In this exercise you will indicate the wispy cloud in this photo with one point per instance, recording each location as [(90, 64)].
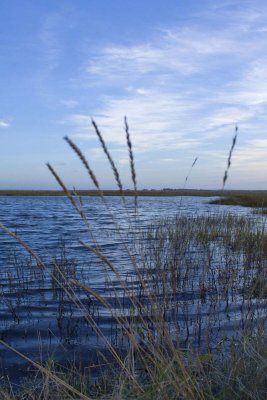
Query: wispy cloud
[(151, 128), (184, 89), (180, 77), (51, 48), (4, 124)]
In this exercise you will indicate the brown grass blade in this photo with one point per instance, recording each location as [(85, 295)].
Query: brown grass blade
[(61, 183), (189, 172), (131, 157), (79, 153), (48, 373), (38, 259), (229, 158), (106, 151)]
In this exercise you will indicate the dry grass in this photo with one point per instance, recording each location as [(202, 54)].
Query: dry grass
[(229, 159)]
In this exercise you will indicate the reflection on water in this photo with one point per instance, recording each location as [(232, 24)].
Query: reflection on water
[(38, 316)]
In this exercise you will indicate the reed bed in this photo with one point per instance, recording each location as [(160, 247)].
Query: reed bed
[(254, 199)]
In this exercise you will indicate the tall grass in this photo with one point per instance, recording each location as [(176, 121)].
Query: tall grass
[(229, 158), (186, 278)]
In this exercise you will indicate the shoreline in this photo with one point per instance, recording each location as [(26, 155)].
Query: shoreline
[(140, 193), (244, 198)]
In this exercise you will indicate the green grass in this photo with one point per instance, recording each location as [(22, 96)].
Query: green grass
[(252, 199)]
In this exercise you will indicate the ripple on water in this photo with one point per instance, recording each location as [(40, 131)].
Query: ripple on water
[(35, 310)]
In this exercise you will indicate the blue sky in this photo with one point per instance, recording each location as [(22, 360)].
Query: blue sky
[(184, 72)]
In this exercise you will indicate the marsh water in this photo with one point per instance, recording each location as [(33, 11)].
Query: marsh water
[(39, 318)]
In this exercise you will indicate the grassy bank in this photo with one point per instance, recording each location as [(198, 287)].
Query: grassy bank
[(249, 199), (240, 376)]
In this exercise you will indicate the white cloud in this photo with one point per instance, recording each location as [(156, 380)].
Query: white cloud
[(4, 124), (251, 89), (142, 60), (184, 90), (168, 160), (150, 128)]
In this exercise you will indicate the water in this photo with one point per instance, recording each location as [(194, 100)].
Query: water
[(37, 316), (43, 221)]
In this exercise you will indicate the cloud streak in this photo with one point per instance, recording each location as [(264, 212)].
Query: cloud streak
[(183, 89), (4, 124)]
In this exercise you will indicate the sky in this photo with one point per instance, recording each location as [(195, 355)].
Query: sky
[(184, 72)]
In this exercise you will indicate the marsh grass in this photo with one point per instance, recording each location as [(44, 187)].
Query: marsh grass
[(254, 199), (188, 313)]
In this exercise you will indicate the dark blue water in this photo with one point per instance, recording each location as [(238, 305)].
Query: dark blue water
[(37, 316), (43, 221)]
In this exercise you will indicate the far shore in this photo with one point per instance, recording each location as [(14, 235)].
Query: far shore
[(145, 192), (156, 193), (256, 198)]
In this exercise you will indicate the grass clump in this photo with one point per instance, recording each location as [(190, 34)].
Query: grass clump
[(254, 199)]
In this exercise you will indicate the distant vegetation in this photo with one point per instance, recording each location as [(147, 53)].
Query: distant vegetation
[(247, 199), (231, 197), (127, 192)]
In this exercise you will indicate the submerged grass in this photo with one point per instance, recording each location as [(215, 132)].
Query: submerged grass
[(189, 311)]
